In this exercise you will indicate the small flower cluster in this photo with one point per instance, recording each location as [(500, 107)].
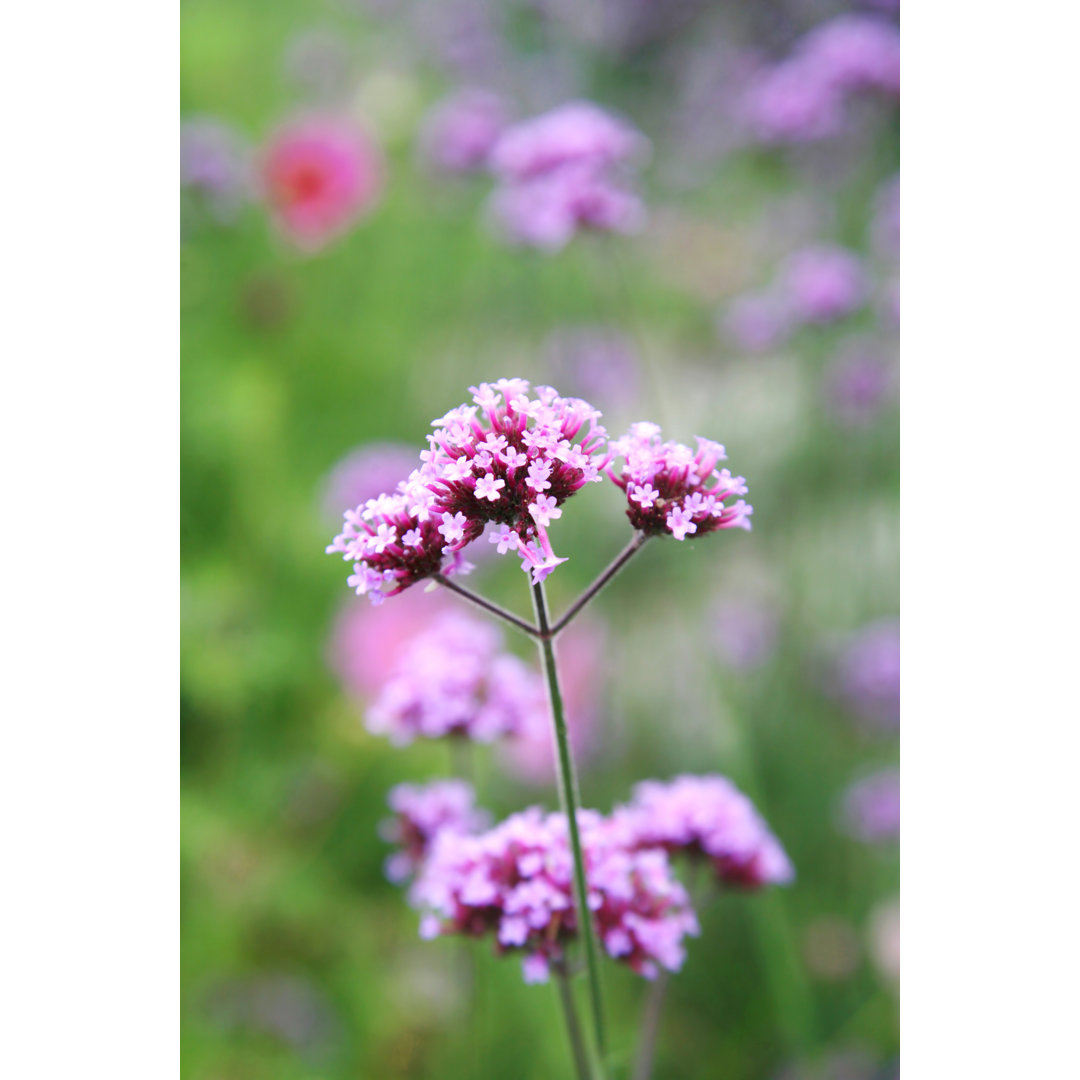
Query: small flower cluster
[(868, 673), (706, 817), (515, 882), (453, 680), (459, 133), (872, 807), (802, 99), (675, 490), (816, 285), (563, 171), (514, 464), (421, 811)]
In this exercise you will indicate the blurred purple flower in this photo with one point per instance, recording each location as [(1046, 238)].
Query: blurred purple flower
[(215, 165), (706, 817), (459, 133), (823, 283), (792, 103), (563, 171), (421, 811), (872, 807), (744, 631), (757, 322), (858, 383), (868, 673), (514, 884), (855, 52)]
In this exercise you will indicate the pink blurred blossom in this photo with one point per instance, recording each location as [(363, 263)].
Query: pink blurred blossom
[(320, 175), (459, 133)]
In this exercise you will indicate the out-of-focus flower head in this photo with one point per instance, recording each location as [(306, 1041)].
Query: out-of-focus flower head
[(757, 322), (745, 631), (855, 52), (791, 103), (515, 883), (512, 459), (823, 283), (320, 175), (706, 817), (868, 673), (872, 807), (366, 642), (215, 166), (675, 490), (420, 812), (459, 133), (530, 753), (563, 171), (454, 680), (365, 473), (858, 382)]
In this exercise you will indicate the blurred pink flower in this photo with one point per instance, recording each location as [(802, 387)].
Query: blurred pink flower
[(365, 473), (872, 807), (459, 133), (823, 283), (320, 175)]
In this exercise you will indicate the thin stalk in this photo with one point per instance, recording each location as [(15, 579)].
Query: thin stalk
[(570, 799), (573, 1027), (620, 560), (487, 605), (650, 1027)]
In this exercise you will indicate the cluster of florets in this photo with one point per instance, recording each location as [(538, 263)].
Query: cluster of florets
[(803, 98), (459, 133), (421, 811), (513, 460), (395, 541), (675, 490), (872, 807), (706, 817), (454, 680), (868, 673), (563, 171), (515, 882)]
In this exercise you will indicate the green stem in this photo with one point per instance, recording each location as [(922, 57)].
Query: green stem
[(568, 795), (573, 1027), (620, 560), (650, 1027), (487, 605)]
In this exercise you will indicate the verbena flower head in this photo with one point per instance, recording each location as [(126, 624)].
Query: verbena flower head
[(858, 382), (563, 171), (675, 490), (515, 884), (855, 52), (215, 166), (513, 459), (823, 283), (872, 807), (792, 103), (868, 673), (460, 132), (420, 812), (454, 680), (320, 174), (707, 817)]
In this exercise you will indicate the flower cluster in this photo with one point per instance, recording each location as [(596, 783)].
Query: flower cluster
[(320, 174), (673, 489), (706, 817), (563, 171), (872, 807), (515, 883), (802, 99), (420, 812), (460, 132), (453, 680), (868, 673), (513, 460)]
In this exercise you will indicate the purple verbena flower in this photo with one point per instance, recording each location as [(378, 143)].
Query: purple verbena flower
[(459, 133), (868, 673), (563, 171), (675, 490), (514, 883), (365, 473), (706, 817), (453, 679), (872, 807), (512, 459), (792, 103), (215, 165), (420, 812), (823, 283), (757, 322), (855, 52), (858, 382)]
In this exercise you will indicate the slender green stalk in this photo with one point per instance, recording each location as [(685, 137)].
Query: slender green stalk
[(568, 794), (573, 1027), (487, 605), (650, 1027), (620, 560)]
